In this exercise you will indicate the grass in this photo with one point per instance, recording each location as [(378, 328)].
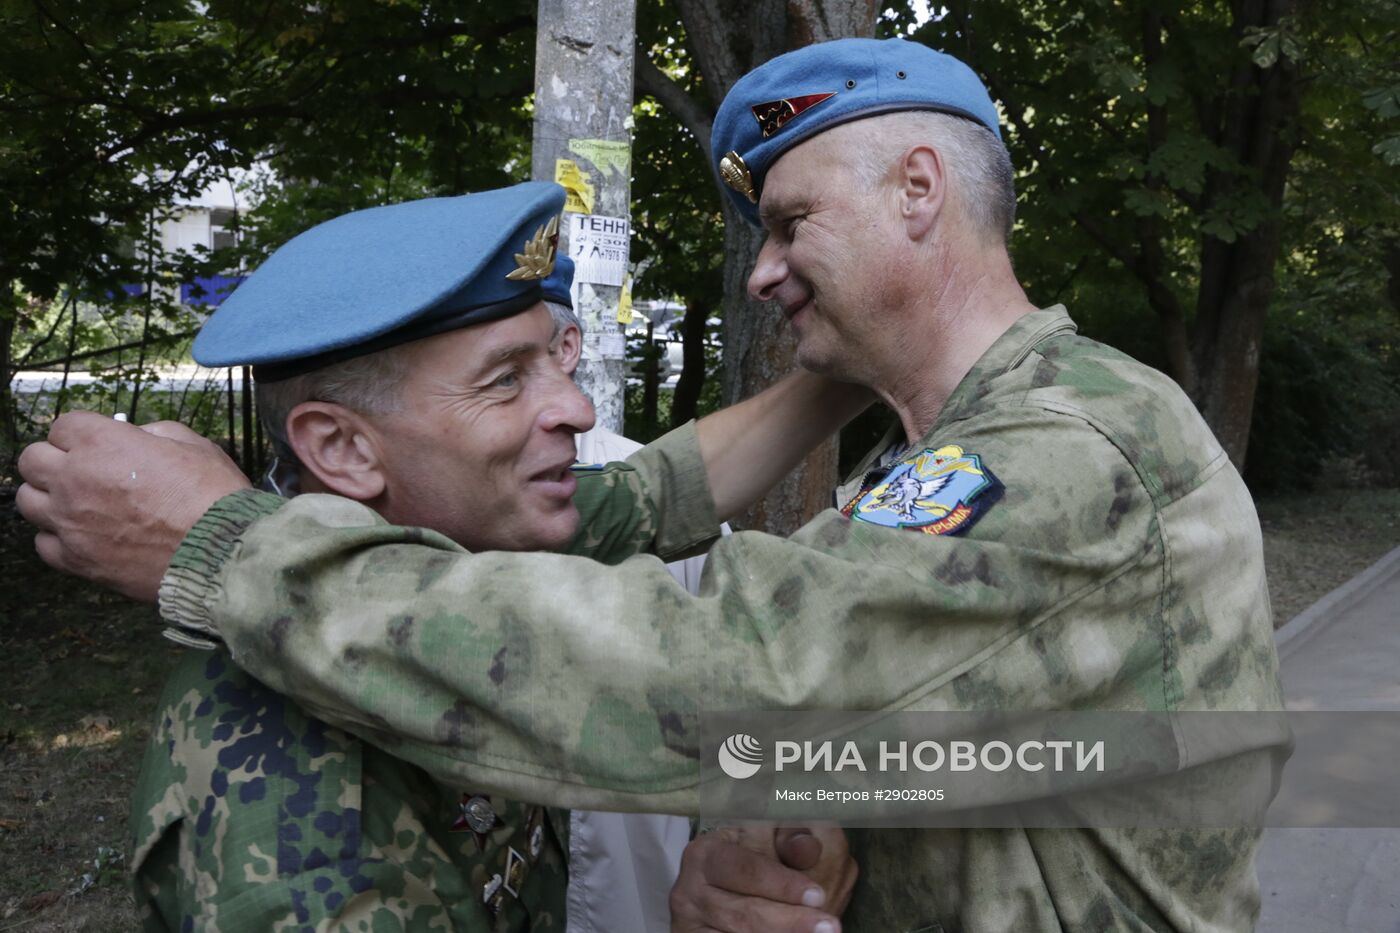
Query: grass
[(80, 670)]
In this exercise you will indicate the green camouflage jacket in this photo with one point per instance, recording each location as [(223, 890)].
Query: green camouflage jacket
[(249, 815), (1107, 556)]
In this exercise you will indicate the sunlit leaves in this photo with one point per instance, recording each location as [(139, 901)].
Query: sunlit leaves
[(1267, 45)]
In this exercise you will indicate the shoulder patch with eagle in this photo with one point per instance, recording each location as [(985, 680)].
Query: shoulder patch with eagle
[(938, 492)]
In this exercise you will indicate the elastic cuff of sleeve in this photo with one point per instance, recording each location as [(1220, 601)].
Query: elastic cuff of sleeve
[(187, 638), (674, 474), (191, 584)]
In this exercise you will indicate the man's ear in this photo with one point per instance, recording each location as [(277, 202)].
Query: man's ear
[(339, 447), (922, 186), (570, 348)]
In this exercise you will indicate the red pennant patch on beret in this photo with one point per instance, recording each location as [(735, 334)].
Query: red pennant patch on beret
[(773, 115)]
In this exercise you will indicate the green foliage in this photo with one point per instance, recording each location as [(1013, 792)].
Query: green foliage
[(109, 117), (112, 114), (1329, 391), (1113, 116)]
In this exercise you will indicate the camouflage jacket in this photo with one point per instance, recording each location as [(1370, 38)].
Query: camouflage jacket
[(1115, 563), (249, 815)]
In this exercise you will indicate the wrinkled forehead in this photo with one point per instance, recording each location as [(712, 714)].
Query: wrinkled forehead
[(472, 352), (804, 172)]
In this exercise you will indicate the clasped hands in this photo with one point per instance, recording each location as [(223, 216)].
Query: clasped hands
[(764, 879)]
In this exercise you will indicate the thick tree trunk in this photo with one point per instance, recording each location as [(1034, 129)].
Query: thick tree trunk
[(1237, 279), (729, 39)]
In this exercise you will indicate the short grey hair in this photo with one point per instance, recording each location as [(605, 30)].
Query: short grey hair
[(366, 384), (985, 186), (564, 316)]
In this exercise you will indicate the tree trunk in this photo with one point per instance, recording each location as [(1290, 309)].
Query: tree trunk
[(685, 400), (9, 415), (729, 39), (9, 430), (1259, 127), (1391, 260)]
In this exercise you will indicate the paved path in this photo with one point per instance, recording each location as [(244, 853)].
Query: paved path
[(1341, 654)]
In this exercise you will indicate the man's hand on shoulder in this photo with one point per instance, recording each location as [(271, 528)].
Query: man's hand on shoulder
[(752, 879), (112, 501)]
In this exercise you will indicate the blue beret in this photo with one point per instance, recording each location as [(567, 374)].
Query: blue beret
[(380, 277), (793, 97), (555, 286)]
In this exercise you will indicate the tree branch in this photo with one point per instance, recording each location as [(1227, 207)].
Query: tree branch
[(673, 97), (118, 348), (58, 319)]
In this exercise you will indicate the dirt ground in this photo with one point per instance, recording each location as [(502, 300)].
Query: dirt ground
[(1315, 543), (80, 670)]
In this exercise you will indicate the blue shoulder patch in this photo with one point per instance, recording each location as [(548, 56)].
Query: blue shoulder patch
[(587, 467), (938, 492)]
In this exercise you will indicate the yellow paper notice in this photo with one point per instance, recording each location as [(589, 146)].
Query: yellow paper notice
[(624, 302), (607, 155), (578, 189)]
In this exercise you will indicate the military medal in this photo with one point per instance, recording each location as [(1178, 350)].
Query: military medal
[(476, 818), (515, 871), (492, 894), (534, 832)]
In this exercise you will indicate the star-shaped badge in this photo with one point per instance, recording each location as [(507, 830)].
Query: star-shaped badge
[(476, 818)]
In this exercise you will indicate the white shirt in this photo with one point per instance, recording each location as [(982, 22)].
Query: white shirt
[(622, 865)]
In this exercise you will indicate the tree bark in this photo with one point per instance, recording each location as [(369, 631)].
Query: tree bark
[(9, 430), (1258, 127), (728, 39), (685, 400), (9, 421), (1390, 259)]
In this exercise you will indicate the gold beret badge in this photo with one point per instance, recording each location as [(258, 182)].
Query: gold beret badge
[(537, 261), (736, 175)]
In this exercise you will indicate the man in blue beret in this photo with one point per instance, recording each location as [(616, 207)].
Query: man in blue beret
[(1050, 526), (460, 419)]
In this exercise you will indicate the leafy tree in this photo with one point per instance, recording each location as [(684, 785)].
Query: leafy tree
[(1156, 144), (1208, 185), (111, 111)]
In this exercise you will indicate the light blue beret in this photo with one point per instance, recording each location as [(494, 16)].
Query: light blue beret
[(380, 277), (793, 97)]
